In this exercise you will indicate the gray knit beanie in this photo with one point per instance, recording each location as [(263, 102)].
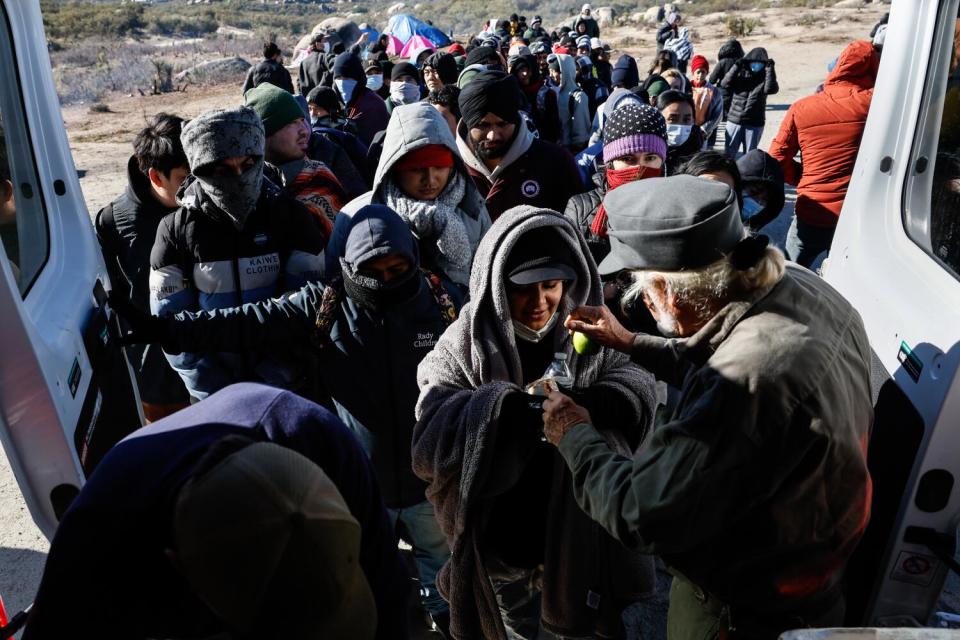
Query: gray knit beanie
[(219, 134)]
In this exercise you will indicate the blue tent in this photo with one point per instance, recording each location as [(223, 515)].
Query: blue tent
[(373, 34), (403, 27)]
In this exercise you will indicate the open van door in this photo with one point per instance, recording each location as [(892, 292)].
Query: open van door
[(66, 391), (896, 257)]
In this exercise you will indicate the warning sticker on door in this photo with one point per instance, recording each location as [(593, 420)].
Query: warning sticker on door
[(915, 568)]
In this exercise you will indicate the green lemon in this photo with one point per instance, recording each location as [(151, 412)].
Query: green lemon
[(583, 345)]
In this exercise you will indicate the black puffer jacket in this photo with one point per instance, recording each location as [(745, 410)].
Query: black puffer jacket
[(749, 90), (268, 71), (582, 209), (729, 53)]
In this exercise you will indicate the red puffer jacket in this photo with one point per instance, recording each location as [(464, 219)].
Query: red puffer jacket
[(826, 128)]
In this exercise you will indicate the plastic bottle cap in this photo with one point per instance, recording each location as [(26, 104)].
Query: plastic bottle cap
[(560, 356)]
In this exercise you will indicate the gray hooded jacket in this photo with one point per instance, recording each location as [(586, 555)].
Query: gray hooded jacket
[(412, 127), (469, 456), (574, 122)]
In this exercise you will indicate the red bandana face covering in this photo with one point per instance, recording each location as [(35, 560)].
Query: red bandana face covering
[(618, 178)]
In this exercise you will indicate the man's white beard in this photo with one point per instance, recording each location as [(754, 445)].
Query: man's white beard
[(667, 325)]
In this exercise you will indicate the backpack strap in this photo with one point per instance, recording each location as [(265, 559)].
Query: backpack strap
[(326, 313), (448, 311)]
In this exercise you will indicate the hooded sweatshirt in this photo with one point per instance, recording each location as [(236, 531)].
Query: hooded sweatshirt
[(412, 127), (625, 73), (366, 109), (749, 89), (389, 340), (573, 105), (826, 128), (531, 172), (473, 451), (759, 167), (730, 52), (126, 229)]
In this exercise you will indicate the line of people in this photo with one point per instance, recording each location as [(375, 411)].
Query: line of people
[(414, 260)]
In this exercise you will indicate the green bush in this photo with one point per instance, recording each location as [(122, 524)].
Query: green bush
[(75, 20), (738, 26)]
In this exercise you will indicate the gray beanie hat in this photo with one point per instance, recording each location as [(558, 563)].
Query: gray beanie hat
[(219, 134), (669, 224)]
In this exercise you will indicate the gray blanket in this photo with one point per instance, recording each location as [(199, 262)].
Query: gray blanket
[(462, 383)]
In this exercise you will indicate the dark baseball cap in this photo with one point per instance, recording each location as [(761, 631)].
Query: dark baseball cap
[(669, 224), (268, 542), (540, 255)]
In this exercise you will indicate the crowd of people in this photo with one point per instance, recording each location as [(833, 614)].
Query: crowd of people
[(347, 304)]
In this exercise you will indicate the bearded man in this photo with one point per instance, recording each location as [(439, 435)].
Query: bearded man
[(507, 163), (756, 491)]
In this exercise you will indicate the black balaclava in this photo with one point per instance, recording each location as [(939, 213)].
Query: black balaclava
[(377, 231)]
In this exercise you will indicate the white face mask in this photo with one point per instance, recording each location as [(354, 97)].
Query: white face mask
[(374, 82), (345, 86), (524, 332), (404, 92), (677, 134)]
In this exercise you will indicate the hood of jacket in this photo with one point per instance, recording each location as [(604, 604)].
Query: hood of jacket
[(417, 125), (625, 72), (138, 186), (731, 50), (617, 98), (488, 311), (758, 54), (521, 143), (760, 166), (377, 231), (857, 65), (568, 73)]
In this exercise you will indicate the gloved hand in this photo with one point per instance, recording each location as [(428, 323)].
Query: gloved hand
[(143, 327), (770, 63)]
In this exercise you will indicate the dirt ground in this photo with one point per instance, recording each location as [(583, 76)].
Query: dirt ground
[(801, 41)]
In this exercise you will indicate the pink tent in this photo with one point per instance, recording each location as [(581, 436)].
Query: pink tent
[(415, 45), (394, 45)]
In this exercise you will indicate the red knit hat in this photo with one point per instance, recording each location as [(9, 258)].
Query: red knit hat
[(431, 155), (456, 49), (699, 62)]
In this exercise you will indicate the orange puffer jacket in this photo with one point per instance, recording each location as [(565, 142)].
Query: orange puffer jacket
[(826, 128)]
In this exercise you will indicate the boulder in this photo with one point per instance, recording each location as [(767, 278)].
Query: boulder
[(212, 71), (348, 30), (604, 16), (850, 4), (396, 8), (650, 15)]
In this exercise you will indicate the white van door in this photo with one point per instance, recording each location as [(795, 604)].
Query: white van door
[(65, 388), (896, 257)]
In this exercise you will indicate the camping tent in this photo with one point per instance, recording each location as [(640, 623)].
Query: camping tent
[(405, 26), (394, 45), (415, 46)]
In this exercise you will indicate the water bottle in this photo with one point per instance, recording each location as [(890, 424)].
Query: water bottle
[(559, 372)]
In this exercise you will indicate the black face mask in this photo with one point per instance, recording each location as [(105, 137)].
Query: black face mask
[(379, 296)]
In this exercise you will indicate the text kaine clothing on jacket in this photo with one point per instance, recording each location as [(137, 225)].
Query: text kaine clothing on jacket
[(200, 261)]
